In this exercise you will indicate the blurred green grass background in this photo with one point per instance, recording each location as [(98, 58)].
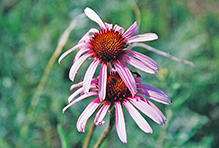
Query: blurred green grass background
[(29, 33)]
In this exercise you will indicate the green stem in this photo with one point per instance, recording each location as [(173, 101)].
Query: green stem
[(89, 136), (136, 11), (109, 128)]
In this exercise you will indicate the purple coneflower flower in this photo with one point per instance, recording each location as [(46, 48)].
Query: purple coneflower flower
[(108, 46), (117, 93)]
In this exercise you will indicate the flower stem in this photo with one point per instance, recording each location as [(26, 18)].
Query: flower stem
[(136, 11), (89, 136), (109, 128), (161, 53)]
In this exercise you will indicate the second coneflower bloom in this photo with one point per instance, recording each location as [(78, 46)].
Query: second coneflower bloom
[(117, 93), (108, 46)]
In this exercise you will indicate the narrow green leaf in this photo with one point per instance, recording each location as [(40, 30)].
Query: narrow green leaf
[(63, 137)]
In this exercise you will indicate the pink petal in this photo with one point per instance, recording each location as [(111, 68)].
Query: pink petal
[(157, 110), (131, 31), (87, 37), (108, 26), (118, 28), (102, 82), (130, 77), (152, 89), (70, 50), (92, 93), (80, 52), (120, 123), (155, 96), (138, 64), (81, 125), (77, 92), (126, 76), (94, 17), (98, 121), (148, 110), (77, 64), (142, 38), (89, 74), (94, 80), (89, 110), (137, 117), (76, 85), (143, 58)]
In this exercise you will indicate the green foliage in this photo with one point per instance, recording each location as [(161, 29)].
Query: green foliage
[(63, 137), (29, 33)]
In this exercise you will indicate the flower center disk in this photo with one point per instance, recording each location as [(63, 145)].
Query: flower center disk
[(108, 45), (116, 90)]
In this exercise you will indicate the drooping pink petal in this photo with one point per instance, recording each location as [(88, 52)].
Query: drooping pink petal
[(131, 31), (120, 123), (70, 50), (142, 38), (77, 92), (82, 125), (89, 75), (158, 111), (77, 64), (89, 110), (108, 26), (118, 28), (76, 85), (92, 93), (94, 17), (137, 117), (145, 59), (98, 121), (126, 76), (102, 81), (87, 36), (94, 80), (155, 96), (151, 88), (130, 76), (147, 110), (138, 64), (79, 53)]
